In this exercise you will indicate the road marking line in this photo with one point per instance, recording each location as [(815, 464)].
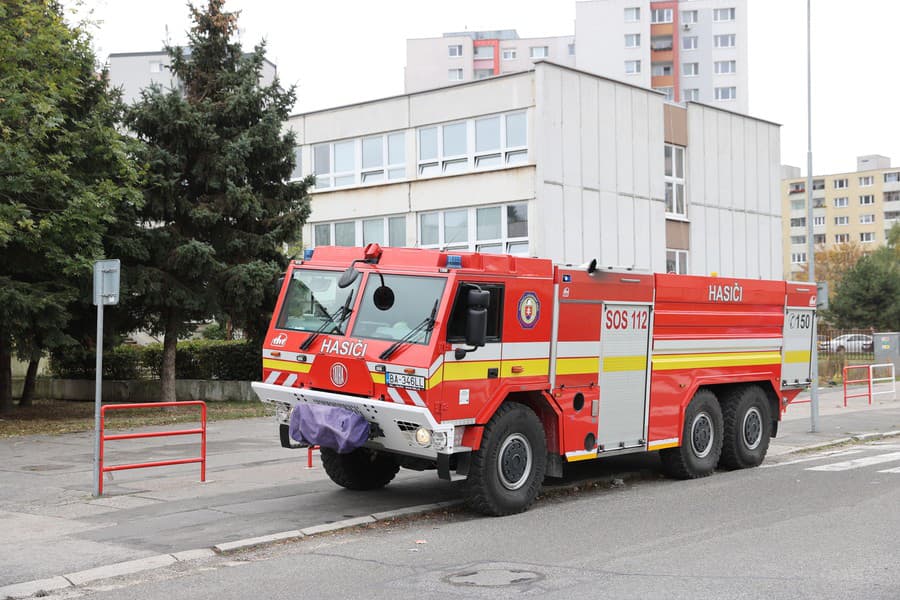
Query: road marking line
[(894, 470), (812, 458), (858, 462)]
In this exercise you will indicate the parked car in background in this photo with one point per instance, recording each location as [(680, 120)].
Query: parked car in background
[(849, 342)]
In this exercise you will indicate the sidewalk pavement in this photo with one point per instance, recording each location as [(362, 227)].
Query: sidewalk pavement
[(55, 534)]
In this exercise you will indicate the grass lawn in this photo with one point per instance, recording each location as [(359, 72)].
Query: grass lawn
[(60, 416)]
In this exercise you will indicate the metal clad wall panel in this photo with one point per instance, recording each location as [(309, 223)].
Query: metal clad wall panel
[(551, 219), (626, 231), (726, 250), (776, 259), (655, 154), (624, 140), (574, 224), (658, 236), (773, 169), (608, 231), (751, 164), (762, 162), (551, 151), (710, 156), (713, 243), (589, 134), (752, 254), (590, 202), (739, 163), (698, 263), (607, 157), (739, 243), (641, 144), (644, 244), (571, 128), (724, 158)]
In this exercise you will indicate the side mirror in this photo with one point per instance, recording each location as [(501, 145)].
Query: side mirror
[(383, 297), (476, 317), (348, 277)]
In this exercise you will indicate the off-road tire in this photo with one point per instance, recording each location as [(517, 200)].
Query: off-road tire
[(362, 469), (506, 473), (701, 439), (748, 427)]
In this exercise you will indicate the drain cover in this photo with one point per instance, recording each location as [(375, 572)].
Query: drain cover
[(493, 577)]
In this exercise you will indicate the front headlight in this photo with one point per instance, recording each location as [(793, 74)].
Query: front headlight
[(439, 439), (423, 437)]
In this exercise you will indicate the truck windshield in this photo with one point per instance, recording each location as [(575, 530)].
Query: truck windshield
[(414, 299), (313, 299)]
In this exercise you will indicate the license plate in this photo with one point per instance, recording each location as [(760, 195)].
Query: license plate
[(413, 382)]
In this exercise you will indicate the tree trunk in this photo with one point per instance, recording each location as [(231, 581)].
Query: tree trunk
[(6, 403), (229, 329), (167, 374), (30, 378)]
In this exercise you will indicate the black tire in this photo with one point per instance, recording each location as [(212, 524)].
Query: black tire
[(701, 439), (506, 473), (362, 469), (748, 427)]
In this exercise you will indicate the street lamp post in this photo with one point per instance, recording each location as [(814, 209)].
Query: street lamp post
[(811, 252)]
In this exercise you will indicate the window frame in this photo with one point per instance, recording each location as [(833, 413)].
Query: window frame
[(633, 63), (732, 67), (359, 230), (727, 92), (730, 14), (693, 71), (450, 52), (731, 38), (534, 55), (676, 257), (867, 199), (472, 243), (634, 10), (636, 37), (675, 182), (667, 15), (694, 42)]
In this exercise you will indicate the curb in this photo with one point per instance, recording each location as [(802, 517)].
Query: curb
[(862, 437)]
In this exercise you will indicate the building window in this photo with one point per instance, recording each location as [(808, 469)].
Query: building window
[(386, 231), (797, 188), (375, 169), (819, 238), (676, 205), (632, 40), (724, 41), (454, 50), (866, 219), (297, 172), (488, 229), (798, 204), (840, 184), (798, 222), (540, 51), (661, 43), (867, 199), (677, 261), (668, 91), (893, 177), (632, 67), (509, 54), (571, 49), (484, 53), (483, 73), (867, 237), (841, 238), (867, 180), (798, 239), (500, 140), (156, 66), (689, 42), (690, 95), (798, 258), (632, 14), (661, 69), (818, 184), (691, 69), (688, 17), (842, 220), (373, 159), (842, 202), (723, 14), (817, 221), (724, 67), (334, 164), (726, 93), (661, 15), (455, 74)]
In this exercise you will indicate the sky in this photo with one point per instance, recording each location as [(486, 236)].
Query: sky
[(345, 51)]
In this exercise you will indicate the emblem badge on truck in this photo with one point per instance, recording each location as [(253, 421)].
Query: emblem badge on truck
[(338, 374), (279, 340)]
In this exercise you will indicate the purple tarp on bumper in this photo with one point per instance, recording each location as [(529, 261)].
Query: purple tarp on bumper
[(328, 426)]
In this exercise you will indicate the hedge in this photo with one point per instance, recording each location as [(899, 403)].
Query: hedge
[(195, 359)]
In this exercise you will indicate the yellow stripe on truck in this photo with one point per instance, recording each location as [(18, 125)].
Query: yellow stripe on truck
[(797, 356), (284, 365), (671, 362), (577, 366), (624, 363)]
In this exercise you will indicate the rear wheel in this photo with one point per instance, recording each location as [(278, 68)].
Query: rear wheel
[(701, 439), (507, 471), (748, 428), (362, 469)]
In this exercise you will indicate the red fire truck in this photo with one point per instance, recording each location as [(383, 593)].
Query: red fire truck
[(499, 370)]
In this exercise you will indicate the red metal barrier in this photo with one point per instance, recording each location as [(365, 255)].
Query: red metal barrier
[(309, 452), (867, 381), (201, 431)]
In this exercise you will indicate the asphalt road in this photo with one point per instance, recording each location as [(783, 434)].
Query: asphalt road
[(817, 526)]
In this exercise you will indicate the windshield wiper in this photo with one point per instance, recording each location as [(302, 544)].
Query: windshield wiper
[(427, 324), (333, 321)]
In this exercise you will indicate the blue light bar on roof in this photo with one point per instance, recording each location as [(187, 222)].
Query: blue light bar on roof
[(454, 261), (308, 253)]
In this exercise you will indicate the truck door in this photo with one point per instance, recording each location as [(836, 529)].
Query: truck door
[(799, 325), (624, 349)]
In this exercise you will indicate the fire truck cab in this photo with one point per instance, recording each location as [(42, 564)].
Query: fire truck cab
[(499, 370)]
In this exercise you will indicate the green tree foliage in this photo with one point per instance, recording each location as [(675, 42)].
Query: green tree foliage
[(869, 293), (64, 171), (218, 206)]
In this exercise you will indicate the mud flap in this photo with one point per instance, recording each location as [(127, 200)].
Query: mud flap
[(462, 460)]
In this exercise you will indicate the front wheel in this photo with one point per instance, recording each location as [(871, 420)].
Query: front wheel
[(507, 471), (701, 439), (748, 427), (362, 469)]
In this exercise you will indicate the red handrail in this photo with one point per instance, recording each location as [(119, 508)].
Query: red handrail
[(201, 431), (867, 381)]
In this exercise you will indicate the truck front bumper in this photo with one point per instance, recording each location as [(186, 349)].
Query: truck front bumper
[(395, 424)]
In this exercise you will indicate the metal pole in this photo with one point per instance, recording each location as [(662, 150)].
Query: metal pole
[(811, 256), (98, 382)]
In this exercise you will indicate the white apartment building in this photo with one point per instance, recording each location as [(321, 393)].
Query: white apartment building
[(691, 50), (551, 162), (135, 71)]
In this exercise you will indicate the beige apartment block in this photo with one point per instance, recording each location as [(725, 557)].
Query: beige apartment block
[(859, 206)]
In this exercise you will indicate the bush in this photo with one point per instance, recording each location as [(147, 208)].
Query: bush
[(195, 359)]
